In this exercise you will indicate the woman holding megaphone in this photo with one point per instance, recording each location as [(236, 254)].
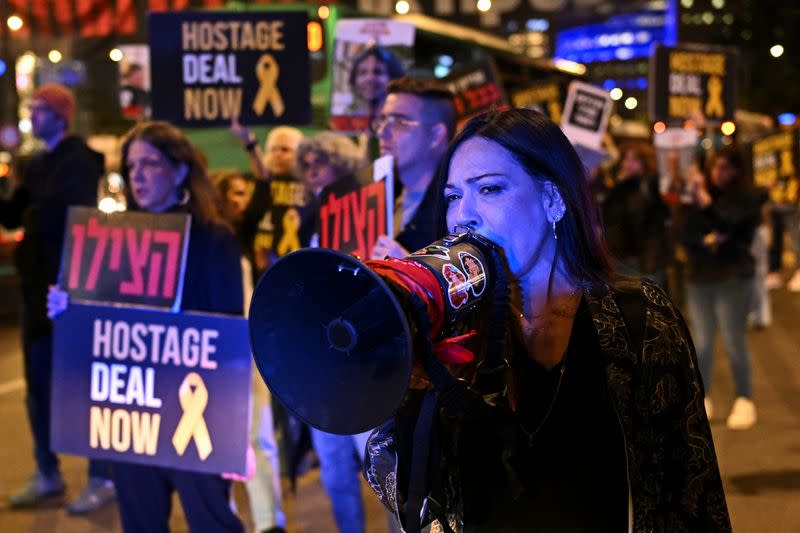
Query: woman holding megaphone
[(597, 421)]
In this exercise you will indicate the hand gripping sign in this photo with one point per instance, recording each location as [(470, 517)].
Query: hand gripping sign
[(151, 387)]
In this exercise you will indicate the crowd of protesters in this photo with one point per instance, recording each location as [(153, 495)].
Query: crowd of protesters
[(710, 247)]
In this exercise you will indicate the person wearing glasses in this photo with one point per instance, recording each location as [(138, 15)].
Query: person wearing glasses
[(414, 126)]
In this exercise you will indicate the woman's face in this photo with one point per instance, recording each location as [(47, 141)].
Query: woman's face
[(154, 180), (317, 171), (372, 77), (723, 173), (236, 197), (488, 190), (631, 165)]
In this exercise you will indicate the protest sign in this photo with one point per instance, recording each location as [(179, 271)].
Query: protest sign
[(368, 54), (209, 66), (151, 387), (774, 160), (586, 114), (476, 90), (352, 222), (546, 97), (692, 80), (675, 153), (134, 81), (129, 257)]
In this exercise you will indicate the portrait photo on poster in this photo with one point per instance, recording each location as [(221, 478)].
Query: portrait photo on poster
[(456, 285), (368, 54), (476, 273)]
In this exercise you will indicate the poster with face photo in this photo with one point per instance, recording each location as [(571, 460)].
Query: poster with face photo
[(134, 81), (369, 53)]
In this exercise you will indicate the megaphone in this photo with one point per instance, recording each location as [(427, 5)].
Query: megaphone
[(331, 336)]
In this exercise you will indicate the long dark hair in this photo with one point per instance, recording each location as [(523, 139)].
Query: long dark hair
[(541, 148), (205, 202)]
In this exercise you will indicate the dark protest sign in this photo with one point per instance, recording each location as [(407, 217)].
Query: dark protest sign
[(207, 67), (690, 80), (586, 114), (134, 258), (547, 97), (476, 90), (352, 222), (151, 387), (774, 160)]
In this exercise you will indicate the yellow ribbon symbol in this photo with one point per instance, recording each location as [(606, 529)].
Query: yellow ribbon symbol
[(554, 108), (787, 165), (290, 241), (714, 105), (267, 72), (191, 424)]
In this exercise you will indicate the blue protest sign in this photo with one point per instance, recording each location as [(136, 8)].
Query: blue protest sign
[(208, 66), (151, 387)]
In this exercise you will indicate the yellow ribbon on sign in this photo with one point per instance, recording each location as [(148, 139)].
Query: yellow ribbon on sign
[(714, 105), (290, 241), (267, 72), (192, 424), (787, 163)]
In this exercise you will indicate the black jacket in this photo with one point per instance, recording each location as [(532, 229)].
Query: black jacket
[(635, 221), (68, 175), (423, 228), (735, 214), (657, 394), (213, 278)]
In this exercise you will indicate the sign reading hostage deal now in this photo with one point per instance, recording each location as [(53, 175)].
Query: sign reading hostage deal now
[(774, 159), (132, 258), (151, 387), (208, 66), (690, 80)]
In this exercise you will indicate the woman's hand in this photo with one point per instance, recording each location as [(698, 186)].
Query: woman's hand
[(387, 247), (242, 132), (250, 467), (57, 301)]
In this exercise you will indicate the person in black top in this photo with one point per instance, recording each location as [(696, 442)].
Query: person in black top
[(582, 410), (415, 124), (279, 197), (635, 218), (65, 174), (717, 231)]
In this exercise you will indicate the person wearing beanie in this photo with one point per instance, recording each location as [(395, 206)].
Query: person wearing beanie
[(64, 174)]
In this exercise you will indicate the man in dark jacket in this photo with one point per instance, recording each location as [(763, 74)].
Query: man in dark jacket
[(65, 174), (415, 126)]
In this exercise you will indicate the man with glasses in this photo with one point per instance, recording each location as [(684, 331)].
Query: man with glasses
[(66, 173), (415, 125)]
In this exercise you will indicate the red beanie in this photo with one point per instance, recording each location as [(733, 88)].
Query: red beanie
[(58, 98)]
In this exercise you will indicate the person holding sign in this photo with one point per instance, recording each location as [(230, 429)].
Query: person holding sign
[(164, 174), (65, 174), (717, 231), (582, 407)]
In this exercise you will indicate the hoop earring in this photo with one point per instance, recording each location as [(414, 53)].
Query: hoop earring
[(185, 198)]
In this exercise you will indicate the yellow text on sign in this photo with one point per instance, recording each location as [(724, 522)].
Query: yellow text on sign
[(123, 430)]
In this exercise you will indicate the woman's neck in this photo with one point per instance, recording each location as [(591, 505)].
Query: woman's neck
[(545, 309)]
